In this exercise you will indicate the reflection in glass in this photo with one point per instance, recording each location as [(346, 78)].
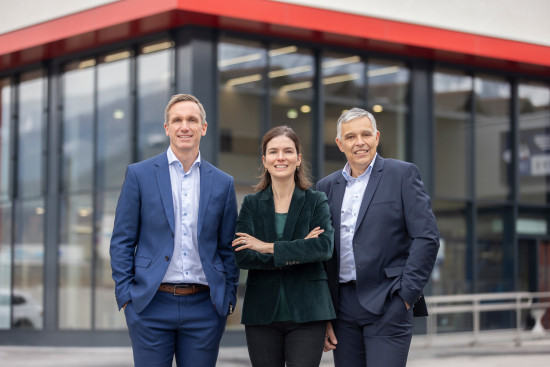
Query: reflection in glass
[(388, 90), (5, 264), (28, 265), (114, 145), (75, 259), (452, 270), (78, 126), (30, 134), (5, 204), (106, 313), (452, 98), (344, 87), (154, 89), (495, 256), (5, 129), (534, 140), (291, 73), (492, 138), (241, 65)]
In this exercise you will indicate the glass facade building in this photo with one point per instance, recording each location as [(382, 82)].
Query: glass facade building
[(70, 125)]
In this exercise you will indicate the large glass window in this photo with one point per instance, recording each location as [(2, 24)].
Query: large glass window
[(155, 77), (388, 84), (291, 72), (492, 138), (5, 204), (28, 236), (106, 314), (344, 77), (242, 67), (534, 140), (114, 132), (453, 145), (75, 230), (114, 153), (452, 272), (30, 135)]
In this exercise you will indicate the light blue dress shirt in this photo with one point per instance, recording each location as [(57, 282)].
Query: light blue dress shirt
[(185, 265), (353, 197)]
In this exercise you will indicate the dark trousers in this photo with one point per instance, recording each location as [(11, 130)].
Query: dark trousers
[(185, 326), (368, 340), (299, 344)]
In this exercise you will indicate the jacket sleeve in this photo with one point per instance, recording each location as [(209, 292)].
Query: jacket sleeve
[(300, 251), (422, 228), (224, 244), (250, 259), (125, 238)]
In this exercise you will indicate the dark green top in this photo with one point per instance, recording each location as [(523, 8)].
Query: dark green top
[(296, 265), (282, 313)]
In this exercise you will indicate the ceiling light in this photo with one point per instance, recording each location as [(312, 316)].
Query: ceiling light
[(292, 113), (342, 61), (282, 51), (289, 71), (383, 71), (305, 109), (239, 60), (377, 108), (243, 80)]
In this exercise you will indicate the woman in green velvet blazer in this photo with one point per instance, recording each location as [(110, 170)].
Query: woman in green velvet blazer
[(284, 234)]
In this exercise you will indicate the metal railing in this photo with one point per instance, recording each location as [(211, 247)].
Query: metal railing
[(537, 303)]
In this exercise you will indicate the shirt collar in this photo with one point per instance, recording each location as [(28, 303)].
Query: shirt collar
[(173, 159), (346, 172)]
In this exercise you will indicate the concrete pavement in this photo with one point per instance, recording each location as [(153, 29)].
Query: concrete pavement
[(531, 353)]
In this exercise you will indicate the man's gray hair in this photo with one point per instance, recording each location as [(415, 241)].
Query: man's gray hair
[(353, 114)]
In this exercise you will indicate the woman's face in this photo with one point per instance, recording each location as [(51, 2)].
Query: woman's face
[(281, 158)]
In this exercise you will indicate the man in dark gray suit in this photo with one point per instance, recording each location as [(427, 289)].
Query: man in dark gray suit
[(385, 244)]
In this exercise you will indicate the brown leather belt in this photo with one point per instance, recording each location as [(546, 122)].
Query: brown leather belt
[(183, 289)]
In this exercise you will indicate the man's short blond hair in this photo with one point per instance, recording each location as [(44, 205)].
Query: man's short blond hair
[(176, 98)]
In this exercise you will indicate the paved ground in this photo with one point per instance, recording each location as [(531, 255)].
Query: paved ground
[(531, 353)]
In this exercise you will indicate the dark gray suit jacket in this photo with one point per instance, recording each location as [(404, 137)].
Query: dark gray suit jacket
[(396, 238)]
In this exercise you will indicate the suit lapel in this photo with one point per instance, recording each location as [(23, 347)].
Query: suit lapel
[(374, 179), (162, 173), (267, 212), (294, 210), (206, 190), (339, 189)]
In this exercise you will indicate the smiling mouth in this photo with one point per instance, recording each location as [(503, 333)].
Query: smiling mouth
[(278, 166), (361, 152)]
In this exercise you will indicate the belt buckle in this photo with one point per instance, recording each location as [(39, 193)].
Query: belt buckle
[(176, 286)]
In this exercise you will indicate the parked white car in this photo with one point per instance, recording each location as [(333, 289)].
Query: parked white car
[(27, 313)]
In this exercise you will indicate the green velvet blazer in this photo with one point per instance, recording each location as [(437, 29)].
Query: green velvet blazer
[(296, 263)]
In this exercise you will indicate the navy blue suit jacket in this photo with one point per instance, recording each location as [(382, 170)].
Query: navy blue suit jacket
[(142, 242), (396, 238)]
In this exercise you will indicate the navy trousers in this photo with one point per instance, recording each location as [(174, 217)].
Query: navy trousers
[(369, 340), (185, 326)]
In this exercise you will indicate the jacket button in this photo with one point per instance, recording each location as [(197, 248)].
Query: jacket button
[(166, 258)]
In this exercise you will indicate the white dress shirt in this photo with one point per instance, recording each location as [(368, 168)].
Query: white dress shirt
[(185, 265), (353, 197)]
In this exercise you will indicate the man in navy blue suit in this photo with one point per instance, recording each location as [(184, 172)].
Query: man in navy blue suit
[(171, 256), (385, 244)]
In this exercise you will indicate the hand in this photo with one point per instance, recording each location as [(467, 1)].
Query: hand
[(315, 232), (406, 304), (126, 304), (246, 241), (330, 339)]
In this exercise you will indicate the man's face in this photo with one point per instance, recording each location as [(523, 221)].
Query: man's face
[(184, 127), (358, 142)]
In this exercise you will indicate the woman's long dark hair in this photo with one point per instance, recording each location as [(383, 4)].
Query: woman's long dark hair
[(301, 176)]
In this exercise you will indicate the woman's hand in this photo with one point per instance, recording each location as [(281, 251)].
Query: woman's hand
[(315, 232), (246, 241)]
